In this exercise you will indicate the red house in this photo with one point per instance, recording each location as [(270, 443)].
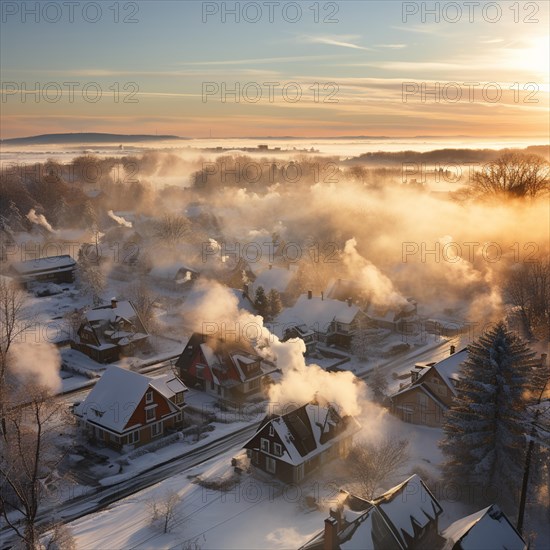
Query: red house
[(128, 408), (233, 371)]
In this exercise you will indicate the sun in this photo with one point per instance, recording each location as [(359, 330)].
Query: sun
[(536, 57)]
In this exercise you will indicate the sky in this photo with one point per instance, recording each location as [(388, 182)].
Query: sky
[(306, 68)]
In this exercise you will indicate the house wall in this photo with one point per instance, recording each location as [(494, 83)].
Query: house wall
[(139, 416), (438, 386), (103, 437), (417, 407)]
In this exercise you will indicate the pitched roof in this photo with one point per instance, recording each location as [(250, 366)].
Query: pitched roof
[(104, 321), (407, 505), (48, 264), (308, 430), (226, 359), (448, 368), (116, 395), (383, 522), (315, 313), (488, 528), (277, 278)]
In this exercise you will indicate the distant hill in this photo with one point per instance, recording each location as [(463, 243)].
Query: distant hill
[(87, 137), (453, 156)]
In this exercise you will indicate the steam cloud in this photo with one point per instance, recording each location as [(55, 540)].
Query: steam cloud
[(39, 219), (119, 219), (37, 363), (371, 278), (211, 305)]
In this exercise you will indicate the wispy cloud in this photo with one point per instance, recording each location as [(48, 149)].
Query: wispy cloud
[(251, 61), (391, 46), (343, 41)]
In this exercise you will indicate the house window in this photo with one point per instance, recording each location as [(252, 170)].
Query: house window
[(270, 464), (277, 449), (133, 437), (149, 397), (179, 398), (422, 400), (264, 445), (100, 434), (156, 429), (178, 417), (150, 414), (271, 431), (200, 371)]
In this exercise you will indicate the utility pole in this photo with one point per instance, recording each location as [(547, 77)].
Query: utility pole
[(527, 467)]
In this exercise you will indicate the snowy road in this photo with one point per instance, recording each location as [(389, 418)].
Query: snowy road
[(86, 504)]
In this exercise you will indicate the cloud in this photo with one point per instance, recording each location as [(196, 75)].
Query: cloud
[(340, 41)]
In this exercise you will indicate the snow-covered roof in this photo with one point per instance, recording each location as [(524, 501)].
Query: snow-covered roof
[(448, 368), (123, 310), (488, 528), (170, 271), (50, 263), (243, 301), (116, 395), (168, 384), (276, 278), (305, 432), (315, 313), (409, 503)]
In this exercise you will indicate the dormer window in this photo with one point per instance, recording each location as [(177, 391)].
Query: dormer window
[(149, 396)]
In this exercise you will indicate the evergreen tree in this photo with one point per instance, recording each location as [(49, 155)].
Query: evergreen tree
[(260, 302), (274, 303), (485, 427)]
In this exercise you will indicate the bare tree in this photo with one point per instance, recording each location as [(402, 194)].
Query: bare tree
[(373, 463), (378, 384), (144, 301), (528, 288), (59, 537), (12, 325), (512, 175), (163, 510), (91, 280), (28, 456), (172, 228)]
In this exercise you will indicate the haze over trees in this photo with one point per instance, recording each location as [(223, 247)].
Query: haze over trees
[(511, 176)]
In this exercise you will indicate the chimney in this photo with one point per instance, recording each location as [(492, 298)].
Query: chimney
[(453, 349), (331, 534), (309, 294), (350, 302), (113, 303)]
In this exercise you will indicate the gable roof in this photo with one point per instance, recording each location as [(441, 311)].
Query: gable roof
[(50, 264), (408, 508), (277, 278), (116, 395), (103, 321), (448, 368), (227, 360), (383, 522), (488, 528), (307, 431), (315, 313)]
